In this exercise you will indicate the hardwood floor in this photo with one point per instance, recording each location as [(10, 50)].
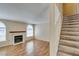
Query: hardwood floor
[(30, 48)]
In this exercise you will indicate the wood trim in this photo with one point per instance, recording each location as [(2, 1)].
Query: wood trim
[(16, 31)]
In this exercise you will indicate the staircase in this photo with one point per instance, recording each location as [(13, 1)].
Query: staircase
[(69, 38)]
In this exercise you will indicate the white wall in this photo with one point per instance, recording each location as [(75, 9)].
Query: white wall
[(55, 27), (42, 31)]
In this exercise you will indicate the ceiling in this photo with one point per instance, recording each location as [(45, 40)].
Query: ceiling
[(33, 13)]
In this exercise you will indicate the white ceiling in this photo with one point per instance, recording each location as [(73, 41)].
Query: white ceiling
[(33, 13)]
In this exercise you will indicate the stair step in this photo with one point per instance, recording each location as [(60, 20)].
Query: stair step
[(70, 23), (71, 18), (76, 15), (70, 29), (67, 37), (71, 50), (70, 33), (70, 26), (74, 44), (60, 53)]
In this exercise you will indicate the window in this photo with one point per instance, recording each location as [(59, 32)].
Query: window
[(29, 30), (2, 32)]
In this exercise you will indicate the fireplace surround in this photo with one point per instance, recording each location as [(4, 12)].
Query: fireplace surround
[(17, 37)]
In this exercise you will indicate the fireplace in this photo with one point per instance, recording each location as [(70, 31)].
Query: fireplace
[(18, 39)]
